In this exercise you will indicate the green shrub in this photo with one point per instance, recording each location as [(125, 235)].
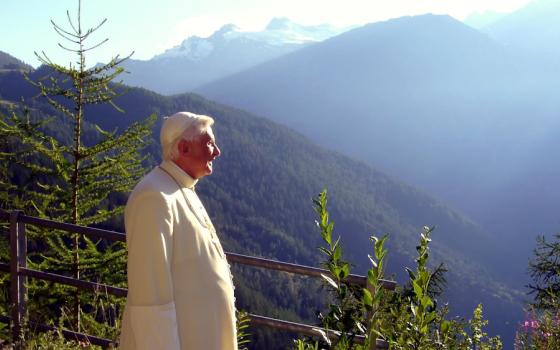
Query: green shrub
[(407, 318)]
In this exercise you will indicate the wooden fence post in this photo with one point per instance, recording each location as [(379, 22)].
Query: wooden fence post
[(18, 292)]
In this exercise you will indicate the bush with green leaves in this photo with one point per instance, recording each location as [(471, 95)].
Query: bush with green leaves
[(406, 318), (242, 325), (544, 269), (541, 328)]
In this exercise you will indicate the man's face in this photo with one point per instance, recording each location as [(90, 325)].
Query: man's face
[(197, 155)]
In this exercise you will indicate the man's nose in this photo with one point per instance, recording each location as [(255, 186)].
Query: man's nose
[(217, 151)]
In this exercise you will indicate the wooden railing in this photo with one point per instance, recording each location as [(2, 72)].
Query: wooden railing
[(19, 272)]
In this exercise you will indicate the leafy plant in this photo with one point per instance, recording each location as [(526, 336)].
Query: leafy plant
[(545, 271), (541, 328), (345, 316), (300, 344), (407, 318), (243, 335)]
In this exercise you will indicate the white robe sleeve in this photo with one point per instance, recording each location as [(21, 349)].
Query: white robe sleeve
[(149, 227)]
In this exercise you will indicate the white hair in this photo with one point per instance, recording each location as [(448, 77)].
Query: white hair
[(181, 126)]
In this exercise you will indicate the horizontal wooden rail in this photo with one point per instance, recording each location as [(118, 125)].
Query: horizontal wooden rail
[(294, 327), (298, 269), (232, 258), (80, 284), (90, 231), (305, 329)]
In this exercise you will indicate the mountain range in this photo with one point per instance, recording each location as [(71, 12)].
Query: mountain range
[(197, 61), (260, 199), (534, 28), (433, 102), (8, 62)]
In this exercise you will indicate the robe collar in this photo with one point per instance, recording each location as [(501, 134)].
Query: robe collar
[(184, 179)]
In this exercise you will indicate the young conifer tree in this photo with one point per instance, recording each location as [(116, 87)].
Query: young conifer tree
[(78, 181), (545, 271)]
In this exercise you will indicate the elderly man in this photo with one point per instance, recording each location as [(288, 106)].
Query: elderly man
[(180, 292)]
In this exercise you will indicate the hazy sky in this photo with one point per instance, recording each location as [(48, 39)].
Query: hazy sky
[(150, 27)]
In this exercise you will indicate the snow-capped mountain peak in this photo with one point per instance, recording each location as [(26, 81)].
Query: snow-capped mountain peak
[(279, 23), (194, 48), (282, 30), (225, 30), (279, 32)]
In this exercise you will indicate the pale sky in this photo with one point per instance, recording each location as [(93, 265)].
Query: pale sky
[(150, 27)]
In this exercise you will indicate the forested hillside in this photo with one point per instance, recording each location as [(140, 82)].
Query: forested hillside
[(260, 200)]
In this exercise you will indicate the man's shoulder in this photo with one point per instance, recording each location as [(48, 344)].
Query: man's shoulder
[(156, 183), (151, 199)]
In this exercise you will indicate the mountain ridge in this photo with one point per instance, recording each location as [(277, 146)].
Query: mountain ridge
[(278, 32), (427, 99), (197, 60), (533, 27), (9, 62)]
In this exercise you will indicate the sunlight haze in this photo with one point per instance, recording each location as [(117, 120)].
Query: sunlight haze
[(149, 28)]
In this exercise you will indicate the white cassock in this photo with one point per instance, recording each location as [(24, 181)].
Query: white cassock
[(180, 291)]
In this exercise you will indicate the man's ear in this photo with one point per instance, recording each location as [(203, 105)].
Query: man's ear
[(183, 147)]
